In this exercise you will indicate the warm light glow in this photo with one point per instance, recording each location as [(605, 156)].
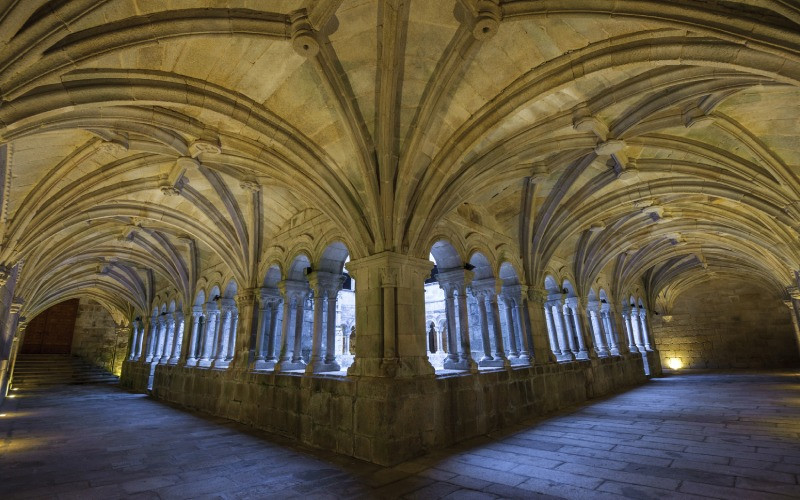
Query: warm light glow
[(675, 363), (12, 396), (15, 389), (2, 414)]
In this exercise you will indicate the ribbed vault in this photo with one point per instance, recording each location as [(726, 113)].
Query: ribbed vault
[(619, 144)]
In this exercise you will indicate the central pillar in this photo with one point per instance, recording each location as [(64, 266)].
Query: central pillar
[(390, 316)]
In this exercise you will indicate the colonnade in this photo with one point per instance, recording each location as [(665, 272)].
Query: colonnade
[(284, 342)]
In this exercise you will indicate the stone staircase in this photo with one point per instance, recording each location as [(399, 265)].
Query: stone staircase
[(40, 371)]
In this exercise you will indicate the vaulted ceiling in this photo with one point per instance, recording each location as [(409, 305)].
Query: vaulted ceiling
[(144, 141)]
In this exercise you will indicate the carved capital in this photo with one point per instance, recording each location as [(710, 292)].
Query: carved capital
[(388, 277)]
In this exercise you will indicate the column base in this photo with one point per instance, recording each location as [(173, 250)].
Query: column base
[(322, 367), (615, 351), (564, 357), (172, 361), (582, 355), (602, 354), (467, 364), (520, 361), (407, 367), (204, 363), (220, 364), (285, 366), (262, 364), (489, 363)]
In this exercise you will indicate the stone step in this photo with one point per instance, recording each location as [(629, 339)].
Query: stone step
[(40, 371)]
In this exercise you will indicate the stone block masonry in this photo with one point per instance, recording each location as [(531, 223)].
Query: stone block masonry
[(727, 324), (97, 338), (385, 420)]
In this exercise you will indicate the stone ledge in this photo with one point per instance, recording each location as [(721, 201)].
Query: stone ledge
[(384, 420)]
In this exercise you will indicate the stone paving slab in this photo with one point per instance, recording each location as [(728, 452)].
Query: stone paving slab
[(656, 441)]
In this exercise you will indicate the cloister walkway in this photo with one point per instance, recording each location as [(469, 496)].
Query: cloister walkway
[(723, 435)]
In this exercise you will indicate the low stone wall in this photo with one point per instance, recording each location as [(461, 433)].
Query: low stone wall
[(386, 421)]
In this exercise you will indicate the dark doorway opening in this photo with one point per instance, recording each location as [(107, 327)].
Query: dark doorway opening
[(51, 331)]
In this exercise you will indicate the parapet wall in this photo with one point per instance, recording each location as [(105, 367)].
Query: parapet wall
[(382, 420)]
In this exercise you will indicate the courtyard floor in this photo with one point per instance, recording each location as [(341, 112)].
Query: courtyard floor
[(720, 435)]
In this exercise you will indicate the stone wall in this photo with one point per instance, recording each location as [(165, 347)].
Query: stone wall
[(385, 420), (727, 324), (96, 339)]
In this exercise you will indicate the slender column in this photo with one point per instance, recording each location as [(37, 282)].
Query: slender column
[(574, 312), (300, 311), (273, 327), (626, 319), (197, 312), (296, 292), (494, 310), (320, 298), (169, 335), (330, 326), (210, 337), (566, 312), (463, 329), (637, 334), (160, 334), (645, 331), (563, 333), (221, 350), (523, 329), (508, 306), (551, 329), (264, 314), (177, 343), (599, 340), (610, 332), (134, 340), (449, 304), (487, 358), (289, 305), (232, 335)]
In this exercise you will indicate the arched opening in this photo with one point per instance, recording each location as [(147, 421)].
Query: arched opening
[(553, 314), (270, 320), (334, 309), (446, 296), (485, 321), (516, 321), (198, 329), (210, 331), (608, 323), (225, 342), (295, 345), (573, 322)]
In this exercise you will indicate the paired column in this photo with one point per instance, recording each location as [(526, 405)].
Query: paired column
[(195, 341), (609, 328), (269, 302), (626, 319), (454, 283), (210, 333), (167, 338), (295, 294), (648, 345), (152, 344), (226, 333), (326, 288), (597, 330), (572, 309)]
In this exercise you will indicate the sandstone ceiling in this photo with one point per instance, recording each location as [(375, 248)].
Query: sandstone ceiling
[(145, 141)]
